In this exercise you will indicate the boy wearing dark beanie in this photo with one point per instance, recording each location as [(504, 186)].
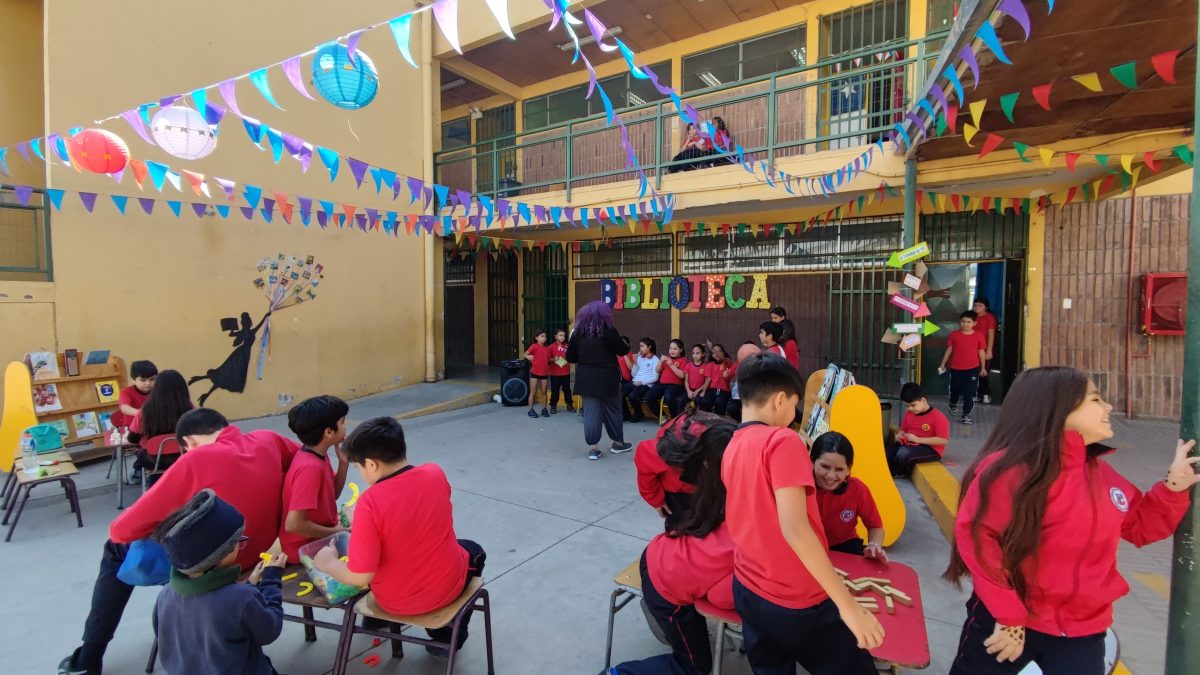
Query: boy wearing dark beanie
[(205, 621)]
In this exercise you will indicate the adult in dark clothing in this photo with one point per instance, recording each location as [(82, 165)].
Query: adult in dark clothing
[(594, 348)]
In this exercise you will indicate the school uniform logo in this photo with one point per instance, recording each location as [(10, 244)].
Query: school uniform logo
[(925, 427), (1119, 499), (847, 515)]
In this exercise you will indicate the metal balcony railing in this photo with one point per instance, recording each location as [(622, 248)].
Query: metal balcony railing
[(840, 102)]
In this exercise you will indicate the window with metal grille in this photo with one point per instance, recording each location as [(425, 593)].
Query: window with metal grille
[(746, 59), (626, 257), (819, 248), (24, 238), (460, 270), (975, 236), (571, 104), (456, 133), (865, 26)]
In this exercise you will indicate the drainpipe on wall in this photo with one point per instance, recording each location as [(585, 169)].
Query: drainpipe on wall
[(429, 241), (1130, 310)]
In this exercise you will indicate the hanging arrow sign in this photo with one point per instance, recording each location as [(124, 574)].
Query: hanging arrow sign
[(902, 258), (909, 342), (929, 328), (925, 328), (906, 304)]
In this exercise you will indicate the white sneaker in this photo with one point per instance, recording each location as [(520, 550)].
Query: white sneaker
[(987, 400)]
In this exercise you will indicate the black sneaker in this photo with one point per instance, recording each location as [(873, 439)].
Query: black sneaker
[(545, 413), (594, 454), (65, 668), (440, 653), (953, 408), (966, 419), (621, 448), (554, 410), (532, 414)]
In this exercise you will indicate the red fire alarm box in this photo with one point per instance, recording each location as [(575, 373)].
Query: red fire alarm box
[(1164, 303)]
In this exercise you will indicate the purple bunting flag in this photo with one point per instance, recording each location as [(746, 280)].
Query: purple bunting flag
[(88, 199), (229, 94), (199, 209), (445, 12), (147, 204), (291, 68), (358, 168), (135, 122), (247, 212), (352, 46)]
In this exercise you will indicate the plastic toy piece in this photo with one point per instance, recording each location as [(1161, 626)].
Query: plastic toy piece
[(305, 589), (371, 660), (289, 577), (265, 557), (353, 495)]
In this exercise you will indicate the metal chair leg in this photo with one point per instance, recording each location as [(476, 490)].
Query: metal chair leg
[(612, 617), (487, 629), (345, 638), (153, 656), (24, 497), (74, 497), (10, 483), (719, 649), (310, 632)]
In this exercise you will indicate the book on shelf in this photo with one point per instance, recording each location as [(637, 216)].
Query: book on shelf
[(85, 423), (71, 362), (105, 419), (45, 398), (97, 357), (43, 365), (61, 427), (108, 391)]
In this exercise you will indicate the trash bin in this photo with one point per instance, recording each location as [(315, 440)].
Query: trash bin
[(514, 382)]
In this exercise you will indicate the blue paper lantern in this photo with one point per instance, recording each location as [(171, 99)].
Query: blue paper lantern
[(342, 83)]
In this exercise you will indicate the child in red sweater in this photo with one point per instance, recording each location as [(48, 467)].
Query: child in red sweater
[(843, 499), (560, 373), (402, 542), (695, 380), (663, 478), (923, 436), (693, 561), (720, 371), (538, 355), (1038, 527)]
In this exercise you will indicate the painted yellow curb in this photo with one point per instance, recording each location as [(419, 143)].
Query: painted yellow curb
[(478, 398)]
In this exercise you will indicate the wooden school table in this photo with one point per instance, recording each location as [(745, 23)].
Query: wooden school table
[(905, 642)]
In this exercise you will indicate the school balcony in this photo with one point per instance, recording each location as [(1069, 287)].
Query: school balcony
[(802, 88)]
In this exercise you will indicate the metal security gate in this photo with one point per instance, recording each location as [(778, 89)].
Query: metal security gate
[(859, 314), (503, 342), (459, 306), (545, 292)]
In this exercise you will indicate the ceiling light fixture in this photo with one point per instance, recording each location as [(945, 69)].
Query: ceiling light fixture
[(453, 83), (708, 78), (588, 39)]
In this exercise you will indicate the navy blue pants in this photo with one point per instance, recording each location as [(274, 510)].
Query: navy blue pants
[(714, 401), (1054, 655), (683, 627), (672, 395), (777, 638), (902, 458), (964, 383)]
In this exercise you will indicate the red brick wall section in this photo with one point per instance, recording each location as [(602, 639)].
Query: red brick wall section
[(1087, 258)]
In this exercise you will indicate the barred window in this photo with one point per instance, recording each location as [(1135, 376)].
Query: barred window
[(975, 236), (460, 270), (819, 248), (626, 257)]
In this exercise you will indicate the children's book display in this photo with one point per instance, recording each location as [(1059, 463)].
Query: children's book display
[(819, 393), (80, 406)]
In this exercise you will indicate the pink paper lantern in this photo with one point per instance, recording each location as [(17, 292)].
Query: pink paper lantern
[(99, 151)]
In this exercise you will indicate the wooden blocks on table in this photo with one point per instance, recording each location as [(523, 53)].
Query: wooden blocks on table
[(878, 585)]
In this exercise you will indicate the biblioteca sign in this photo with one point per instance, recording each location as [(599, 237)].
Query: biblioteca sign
[(690, 293)]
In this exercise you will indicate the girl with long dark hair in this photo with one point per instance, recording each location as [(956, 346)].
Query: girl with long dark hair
[(694, 560), (168, 401), (791, 350), (1040, 518)]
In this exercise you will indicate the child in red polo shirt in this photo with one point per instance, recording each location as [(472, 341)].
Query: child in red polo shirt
[(660, 462), (311, 488), (560, 372), (966, 354), (720, 371), (693, 561), (844, 499), (133, 397), (538, 355), (923, 436), (402, 541), (696, 379), (791, 613)]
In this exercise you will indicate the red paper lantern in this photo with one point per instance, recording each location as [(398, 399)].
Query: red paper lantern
[(99, 151)]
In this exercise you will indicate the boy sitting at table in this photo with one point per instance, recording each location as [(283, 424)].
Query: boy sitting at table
[(311, 488), (402, 541)]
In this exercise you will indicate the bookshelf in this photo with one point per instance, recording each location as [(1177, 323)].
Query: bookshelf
[(79, 400)]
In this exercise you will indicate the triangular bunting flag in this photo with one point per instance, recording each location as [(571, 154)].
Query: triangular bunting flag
[(1184, 153), (1149, 161), (987, 33), (1089, 81), (1164, 65), (1127, 163), (446, 14), (976, 108), (402, 30), (1047, 155), (1102, 160), (259, 78), (1126, 74), (175, 206), (147, 204), (1041, 94), (1007, 103), (158, 173), (1021, 148), (1072, 158), (992, 142), (969, 133), (119, 201), (88, 199)]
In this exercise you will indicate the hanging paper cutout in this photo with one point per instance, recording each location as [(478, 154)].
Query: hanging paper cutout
[(88, 199), (147, 204), (992, 142), (135, 123), (446, 14), (119, 201), (1016, 10), (1007, 103), (976, 108), (291, 68), (1126, 74), (1041, 94), (402, 31), (229, 94), (1164, 65), (1089, 81), (259, 79), (987, 33), (158, 173)]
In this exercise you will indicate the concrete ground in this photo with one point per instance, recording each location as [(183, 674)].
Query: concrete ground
[(1145, 450), (556, 528)]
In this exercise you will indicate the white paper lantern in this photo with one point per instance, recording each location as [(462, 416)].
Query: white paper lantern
[(183, 133)]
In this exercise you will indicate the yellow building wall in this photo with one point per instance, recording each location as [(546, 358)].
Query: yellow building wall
[(21, 84), (156, 287)]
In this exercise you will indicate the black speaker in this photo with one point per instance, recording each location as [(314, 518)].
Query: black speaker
[(514, 382)]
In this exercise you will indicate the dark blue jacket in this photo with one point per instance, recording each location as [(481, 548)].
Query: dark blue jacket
[(221, 631)]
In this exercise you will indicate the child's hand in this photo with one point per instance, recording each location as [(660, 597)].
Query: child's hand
[(875, 552), (325, 558), (277, 560), (1181, 475), (1006, 642), (256, 573), (983, 372), (865, 627)]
